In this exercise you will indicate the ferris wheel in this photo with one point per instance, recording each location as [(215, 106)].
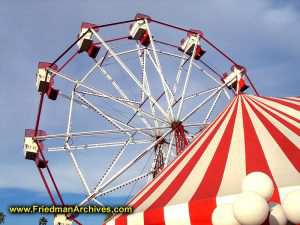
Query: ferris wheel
[(144, 92)]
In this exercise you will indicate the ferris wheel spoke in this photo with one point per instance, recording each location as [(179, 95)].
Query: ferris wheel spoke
[(187, 79), (69, 121), (111, 118), (113, 82), (91, 70), (142, 57), (151, 104), (108, 97), (121, 92), (166, 87), (195, 64), (124, 169), (125, 103), (93, 109), (97, 133), (169, 54), (119, 54), (67, 147), (126, 52), (121, 122), (124, 184), (129, 73), (178, 76), (159, 70), (211, 77), (201, 93), (104, 115), (196, 125), (203, 103), (86, 106), (113, 163), (74, 100), (212, 107), (89, 87), (97, 146), (87, 190), (169, 150)]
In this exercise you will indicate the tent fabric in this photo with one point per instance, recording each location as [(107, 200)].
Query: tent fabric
[(251, 134)]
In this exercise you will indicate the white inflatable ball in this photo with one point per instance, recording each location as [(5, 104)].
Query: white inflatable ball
[(249, 208), (260, 183), (223, 215), (276, 216), (291, 206)]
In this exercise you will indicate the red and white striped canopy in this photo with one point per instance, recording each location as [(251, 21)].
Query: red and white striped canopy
[(251, 134)]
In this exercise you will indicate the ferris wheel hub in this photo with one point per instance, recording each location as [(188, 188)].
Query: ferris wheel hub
[(162, 141), (175, 124)]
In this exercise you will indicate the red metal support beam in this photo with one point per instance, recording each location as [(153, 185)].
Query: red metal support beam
[(46, 185), (117, 23), (76, 221), (165, 43), (112, 40), (180, 139), (67, 62), (52, 179), (159, 161)]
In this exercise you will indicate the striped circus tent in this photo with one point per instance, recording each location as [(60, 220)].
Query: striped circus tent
[(251, 134)]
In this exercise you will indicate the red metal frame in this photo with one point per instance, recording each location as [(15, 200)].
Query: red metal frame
[(117, 23), (180, 139), (159, 163), (165, 43), (67, 62), (112, 40)]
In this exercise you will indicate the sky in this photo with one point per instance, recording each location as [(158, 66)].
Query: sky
[(262, 35)]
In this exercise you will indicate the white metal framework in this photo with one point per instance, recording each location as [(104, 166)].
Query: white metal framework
[(129, 102)]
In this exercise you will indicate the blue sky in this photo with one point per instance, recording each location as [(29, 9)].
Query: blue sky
[(262, 35)]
